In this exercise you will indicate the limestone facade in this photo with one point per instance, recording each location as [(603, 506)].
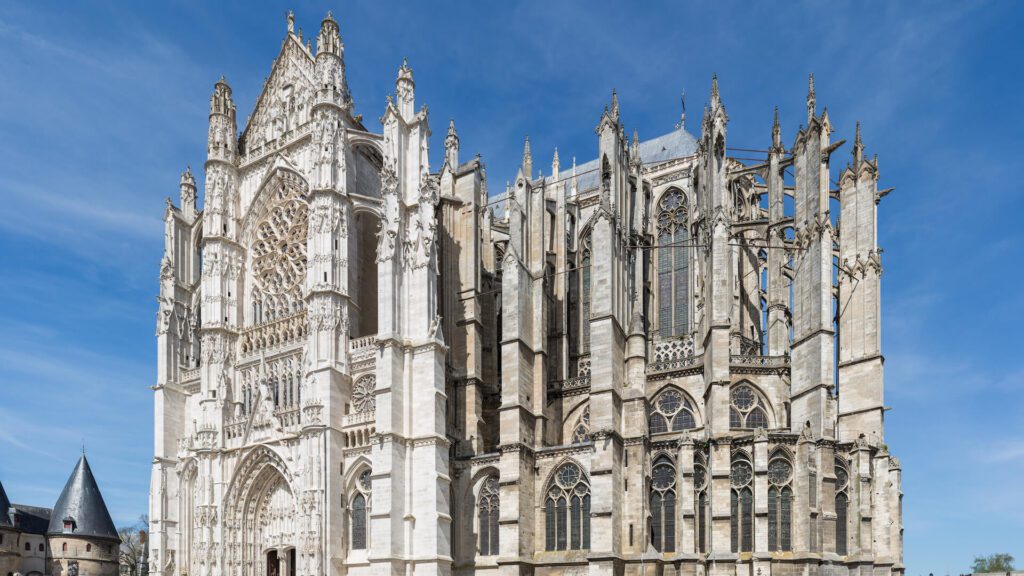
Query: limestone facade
[(662, 361)]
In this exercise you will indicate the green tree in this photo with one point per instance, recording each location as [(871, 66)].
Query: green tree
[(993, 563)]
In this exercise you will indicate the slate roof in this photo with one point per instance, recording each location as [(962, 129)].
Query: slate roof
[(31, 519), (82, 502), (5, 506), (675, 144)]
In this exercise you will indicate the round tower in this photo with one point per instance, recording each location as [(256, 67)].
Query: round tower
[(82, 538)]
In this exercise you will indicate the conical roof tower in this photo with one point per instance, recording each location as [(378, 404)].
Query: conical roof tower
[(80, 510)]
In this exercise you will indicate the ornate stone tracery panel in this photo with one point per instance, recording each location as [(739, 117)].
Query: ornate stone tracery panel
[(278, 251)]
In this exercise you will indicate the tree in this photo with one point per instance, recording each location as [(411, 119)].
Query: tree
[(993, 563), (133, 547)]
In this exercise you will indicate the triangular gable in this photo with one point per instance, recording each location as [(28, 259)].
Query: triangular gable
[(287, 97)]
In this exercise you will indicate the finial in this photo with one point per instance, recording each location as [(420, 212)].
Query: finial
[(615, 103), (300, 34), (291, 21), (811, 98), (451, 127), (715, 97), (526, 148), (858, 148), (776, 131), (555, 159)]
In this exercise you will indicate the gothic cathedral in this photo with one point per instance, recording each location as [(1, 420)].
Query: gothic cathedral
[(662, 361)]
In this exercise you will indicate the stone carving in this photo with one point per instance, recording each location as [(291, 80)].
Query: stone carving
[(387, 236)]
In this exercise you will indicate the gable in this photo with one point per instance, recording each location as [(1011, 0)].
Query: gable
[(287, 98)]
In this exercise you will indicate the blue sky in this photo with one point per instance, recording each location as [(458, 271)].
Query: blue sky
[(103, 104)]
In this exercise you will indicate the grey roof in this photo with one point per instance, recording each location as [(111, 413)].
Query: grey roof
[(31, 519), (676, 144), (5, 506), (82, 502)]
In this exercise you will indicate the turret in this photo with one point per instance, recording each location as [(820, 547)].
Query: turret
[(187, 193), (222, 140), (451, 146), (80, 522), (331, 82), (405, 90)]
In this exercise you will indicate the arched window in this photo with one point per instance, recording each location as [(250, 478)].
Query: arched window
[(663, 505), (363, 398), (568, 493), (28, 547), (780, 503), (88, 547), (671, 411), (487, 511), (746, 408), (360, 505), (42, 547), (64, 547), (742, 504), (586, 253), (581, 432), (700, 497), (673, 265), (842, 507)]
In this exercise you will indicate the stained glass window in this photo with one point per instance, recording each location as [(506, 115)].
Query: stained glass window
[(671, 411), (567, 510), (673, 265), (663, 511), (746, 408), (358, 511), (742, 505), (780, 495), (487, 512)]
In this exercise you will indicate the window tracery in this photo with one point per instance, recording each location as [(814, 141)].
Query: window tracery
[(663, 505), (359, 511), (488, 508), (780, 503), (746, 408), (671, 411), (567, 510), (363, 395), (842, 507), (581, 432), (700, 489), (279, 254), (673, 265), (741, 516)]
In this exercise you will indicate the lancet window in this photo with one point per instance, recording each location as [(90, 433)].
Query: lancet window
[(741, 476), (780, 503), (360, 511), (487, 513), (671, 411), (567, 510), (700, 497), (673, 265), (746, 408), (842, 507), (663, 505), (586, 253)]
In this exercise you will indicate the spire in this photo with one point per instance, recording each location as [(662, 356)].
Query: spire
[(716, 99), (858, 149), (555, 165), (615, 106), (527, 160), (5, 507), (776, 132), (405, 89), (811, 98), (80, 510), (682, 117)]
